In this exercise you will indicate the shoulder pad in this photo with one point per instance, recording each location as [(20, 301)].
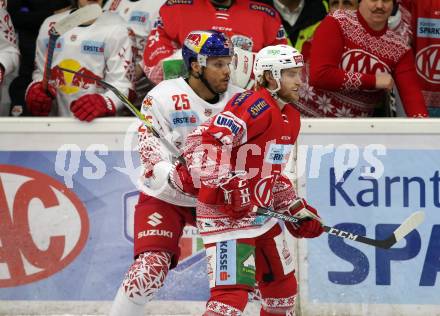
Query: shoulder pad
[(263, 8), (239, 98), (173, 2)]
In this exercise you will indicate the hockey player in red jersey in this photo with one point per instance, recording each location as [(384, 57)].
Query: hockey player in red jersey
[(250, 25), (238, 157), (351, 73), (176, 107), (426, 43)]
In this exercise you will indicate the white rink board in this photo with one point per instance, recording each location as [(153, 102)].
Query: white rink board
[(318, 296)]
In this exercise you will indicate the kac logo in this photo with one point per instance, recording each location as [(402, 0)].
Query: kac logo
[(43, 226), (428, 63), (358, 60)]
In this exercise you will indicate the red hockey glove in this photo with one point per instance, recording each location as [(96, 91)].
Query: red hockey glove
[(90, 106), (181, 179), (308, 228), (237, 196), (38, 100)]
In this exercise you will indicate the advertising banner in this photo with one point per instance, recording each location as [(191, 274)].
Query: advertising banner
[(368, 185), (66, 217)]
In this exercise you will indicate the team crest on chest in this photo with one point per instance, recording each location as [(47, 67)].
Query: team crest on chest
[(428, 63), (358, 60), (263, 191)]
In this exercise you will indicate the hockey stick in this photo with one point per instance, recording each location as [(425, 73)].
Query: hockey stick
[(414, 220), (78, 17), (173, 149)]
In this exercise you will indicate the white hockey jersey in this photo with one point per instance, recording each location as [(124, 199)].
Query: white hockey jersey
[(139, 16), (9, 57), (102, 49), (9, 53), (174, 110)]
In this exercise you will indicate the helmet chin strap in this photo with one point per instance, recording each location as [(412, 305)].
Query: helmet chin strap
[(274, 94), (202, 78)]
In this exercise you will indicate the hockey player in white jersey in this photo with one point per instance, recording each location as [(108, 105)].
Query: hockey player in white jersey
[(100, 49), (175, 107), (139, 16), (9, 54)]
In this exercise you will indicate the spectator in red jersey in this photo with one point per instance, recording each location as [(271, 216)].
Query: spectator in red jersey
[(333, 5), (351, 74), (250, 25), (426, 44)]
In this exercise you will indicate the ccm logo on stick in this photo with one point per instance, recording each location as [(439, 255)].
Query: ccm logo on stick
[(43, 226)]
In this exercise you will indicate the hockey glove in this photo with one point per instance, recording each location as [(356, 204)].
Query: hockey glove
[(38, 100), (310, 226), (182, 180), (90, 106), (237, 196)]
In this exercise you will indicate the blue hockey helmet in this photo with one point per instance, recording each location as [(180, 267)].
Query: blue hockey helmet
[(199, 45)]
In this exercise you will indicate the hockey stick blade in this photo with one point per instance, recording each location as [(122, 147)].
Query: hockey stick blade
[(414, 220), (85, 14), (76, 18), (404, 229), (132, 109)]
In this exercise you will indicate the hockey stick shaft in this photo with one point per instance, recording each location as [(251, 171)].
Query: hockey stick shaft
[(133, 109), (49, 57), (404, 229), (78, 17)]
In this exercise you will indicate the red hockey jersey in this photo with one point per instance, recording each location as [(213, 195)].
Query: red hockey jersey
[(343, 70), (250, 25), (251, 134), (426, 29)]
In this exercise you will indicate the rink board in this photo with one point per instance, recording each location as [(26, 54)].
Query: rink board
[(68, 191), (345, 277)]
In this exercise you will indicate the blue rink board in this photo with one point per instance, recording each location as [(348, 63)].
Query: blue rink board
[(98, 270), (350, 272)]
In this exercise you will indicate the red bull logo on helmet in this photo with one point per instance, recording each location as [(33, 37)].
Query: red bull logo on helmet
[(196, 40)]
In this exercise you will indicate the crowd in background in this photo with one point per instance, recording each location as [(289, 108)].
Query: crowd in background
[(356, 66)]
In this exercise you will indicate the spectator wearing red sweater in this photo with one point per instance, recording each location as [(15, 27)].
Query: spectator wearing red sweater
[(426, 44), (355, 60)]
